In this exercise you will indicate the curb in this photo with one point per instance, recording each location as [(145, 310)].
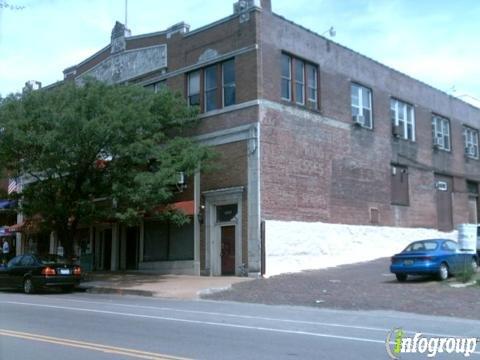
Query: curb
[(116, 291)]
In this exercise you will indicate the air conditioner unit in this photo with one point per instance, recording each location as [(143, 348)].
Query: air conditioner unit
[(469, 151), (397, 131), (358, 120), (437, 142)]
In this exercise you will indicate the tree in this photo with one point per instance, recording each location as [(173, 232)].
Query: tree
[(96, 152)]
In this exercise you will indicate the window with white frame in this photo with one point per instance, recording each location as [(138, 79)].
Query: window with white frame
[(312, 86), (470, 138), (194, 88), (299, 82), (361, 99), (403, 119), (441, 132), (211, 88), (228, 76), (286, 77)]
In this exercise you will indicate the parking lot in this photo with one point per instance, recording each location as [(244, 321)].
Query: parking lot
[(363, 286)]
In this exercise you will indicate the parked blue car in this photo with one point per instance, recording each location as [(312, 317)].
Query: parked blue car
[(439, 257)]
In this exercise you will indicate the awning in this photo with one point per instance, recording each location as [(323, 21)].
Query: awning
[(5, 231), (7, 204), (187, 207)]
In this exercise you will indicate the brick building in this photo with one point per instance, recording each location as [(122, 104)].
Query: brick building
[(306, 129)]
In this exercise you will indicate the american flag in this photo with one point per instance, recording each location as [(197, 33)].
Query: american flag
[(12, 186)]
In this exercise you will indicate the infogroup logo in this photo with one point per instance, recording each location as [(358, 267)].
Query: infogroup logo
[(398, 343)]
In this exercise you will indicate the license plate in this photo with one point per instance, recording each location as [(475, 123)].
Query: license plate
[(408, 262), (64, 272)]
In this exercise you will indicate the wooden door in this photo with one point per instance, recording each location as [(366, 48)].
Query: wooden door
[(228, 250), (444, 186)]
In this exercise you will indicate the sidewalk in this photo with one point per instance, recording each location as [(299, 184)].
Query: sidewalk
[(164, 286)]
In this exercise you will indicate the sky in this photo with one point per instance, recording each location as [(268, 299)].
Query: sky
[(435, 41)]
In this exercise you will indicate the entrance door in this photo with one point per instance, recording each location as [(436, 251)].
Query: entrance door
[(106, 241), (132, 248), (444, 202), (228, 250)]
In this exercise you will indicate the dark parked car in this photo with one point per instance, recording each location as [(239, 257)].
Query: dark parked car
[(34, 272), (439, 257)]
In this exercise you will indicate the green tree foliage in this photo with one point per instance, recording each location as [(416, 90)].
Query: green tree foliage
[(96, 153)]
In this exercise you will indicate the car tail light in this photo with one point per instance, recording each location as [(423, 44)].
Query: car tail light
[(77, 270), (48, 271)]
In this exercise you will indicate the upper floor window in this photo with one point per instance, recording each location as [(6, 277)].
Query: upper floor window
[(194, 88), (211, 88), (299, 81), (403, 119), (361, 105), (286, 77), (470, 138), (312, 86), (441, 132), (156, 87), (217, 89), (228, 74)]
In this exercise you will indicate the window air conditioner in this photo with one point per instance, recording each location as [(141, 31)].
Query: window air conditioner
[(437, 142), (469, 151), (397, 131), (358, 120)]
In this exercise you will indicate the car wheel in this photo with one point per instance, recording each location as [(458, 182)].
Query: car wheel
[(401, 277), (443, 272), (28, 287)]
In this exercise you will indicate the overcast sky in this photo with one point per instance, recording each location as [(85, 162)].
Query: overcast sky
[(436, 41)]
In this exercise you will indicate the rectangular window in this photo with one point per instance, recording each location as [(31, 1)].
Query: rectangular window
[(312, 86), (211, 88), (299, 82), (361, 101), (165, 241), (441, 133), (228, 75), (470, 139), (286, 77), (403, 119), (194, 88), (399, 185)]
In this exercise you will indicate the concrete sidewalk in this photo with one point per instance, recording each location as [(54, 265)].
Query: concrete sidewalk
[(148, 284)]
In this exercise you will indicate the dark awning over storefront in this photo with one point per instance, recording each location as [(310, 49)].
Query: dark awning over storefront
[(7, 204)]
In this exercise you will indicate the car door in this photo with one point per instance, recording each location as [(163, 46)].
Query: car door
[(12, 272), (450, 254)]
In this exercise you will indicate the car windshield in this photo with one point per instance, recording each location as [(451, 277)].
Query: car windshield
[(51, 259), (426, 245)]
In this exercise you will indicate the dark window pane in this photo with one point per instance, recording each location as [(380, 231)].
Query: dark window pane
[(299, 75), (210, 100), (229, 96), (228, 72), (286, 89), (226, 213), (286, 66), (299, 93), (194, 100), (211, 77)]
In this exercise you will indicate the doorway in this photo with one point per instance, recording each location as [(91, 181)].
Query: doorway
[(443, 186), (131, 250), (227, 252)]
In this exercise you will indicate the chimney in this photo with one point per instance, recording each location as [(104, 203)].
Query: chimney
[(179, 28), (266, 5), (119, 33)]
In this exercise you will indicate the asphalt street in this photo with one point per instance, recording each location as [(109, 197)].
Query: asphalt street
[(81, 325)]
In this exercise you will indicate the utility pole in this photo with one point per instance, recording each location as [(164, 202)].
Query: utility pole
[(126, 13)]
